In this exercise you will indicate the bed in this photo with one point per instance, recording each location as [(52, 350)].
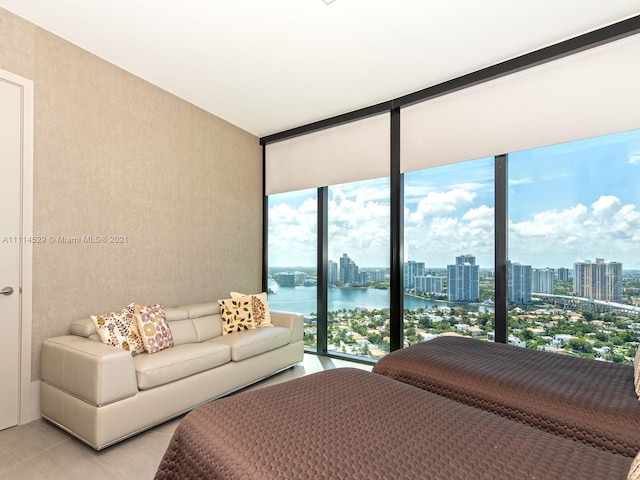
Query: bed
[(352, 424), (590, 401)]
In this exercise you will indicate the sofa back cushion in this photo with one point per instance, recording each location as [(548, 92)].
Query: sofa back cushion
[(206, 320), (208, 327), (188, 324), (183, 332)]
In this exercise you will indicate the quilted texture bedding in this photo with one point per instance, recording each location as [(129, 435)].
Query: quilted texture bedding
[(352, 424), (589, 401)]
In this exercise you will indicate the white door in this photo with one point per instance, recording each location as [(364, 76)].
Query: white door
[(11, 126)]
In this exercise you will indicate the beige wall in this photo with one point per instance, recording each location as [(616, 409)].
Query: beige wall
[(115, 155)]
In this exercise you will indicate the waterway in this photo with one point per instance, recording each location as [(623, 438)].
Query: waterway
[(303, 299)]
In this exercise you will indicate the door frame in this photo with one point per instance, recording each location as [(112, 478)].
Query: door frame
[(28, 401)]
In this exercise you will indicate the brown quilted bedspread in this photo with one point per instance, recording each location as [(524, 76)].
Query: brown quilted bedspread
[(586, 400), (351, 424)]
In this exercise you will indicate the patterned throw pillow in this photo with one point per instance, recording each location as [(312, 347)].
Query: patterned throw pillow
[(153, 327), (259, 307), (119, 329), (237, 314)]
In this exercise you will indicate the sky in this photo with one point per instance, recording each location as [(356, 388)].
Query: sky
[(566, 203)]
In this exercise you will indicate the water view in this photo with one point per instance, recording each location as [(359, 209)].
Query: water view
[(303, 299)]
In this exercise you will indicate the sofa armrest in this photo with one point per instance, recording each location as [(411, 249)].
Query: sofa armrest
[(290, 320), (94, 372)]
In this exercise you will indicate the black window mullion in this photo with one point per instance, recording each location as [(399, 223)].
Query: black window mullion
[(397, 236), (501, 304), (265, 224), (323, 270)]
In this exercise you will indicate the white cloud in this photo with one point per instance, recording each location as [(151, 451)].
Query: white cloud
[(606, 205), (441, 203), (481, 217), (520, 181), (606, 230), (634, 158)]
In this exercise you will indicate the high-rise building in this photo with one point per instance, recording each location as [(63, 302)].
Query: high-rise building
[(376, 275), (600, 280), (467, 259), (290, 279), (519, 279), (348, 270), (363, 278), (543, 280), (463, 280), (564, 274), (332, 272), (428, 284), (412, 269)]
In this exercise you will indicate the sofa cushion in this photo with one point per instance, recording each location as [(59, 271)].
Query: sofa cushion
[(250, 343), (208, 327), (154, 328), (197, 310), (183, 332), (175, 313), (178, 362)]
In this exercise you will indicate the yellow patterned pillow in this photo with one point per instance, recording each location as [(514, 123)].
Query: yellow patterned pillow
[(154, 328), (237, 314), (259, 307), (119, 329)]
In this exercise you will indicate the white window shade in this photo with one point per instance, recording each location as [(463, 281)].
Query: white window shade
[(351, 152), (591, 93)]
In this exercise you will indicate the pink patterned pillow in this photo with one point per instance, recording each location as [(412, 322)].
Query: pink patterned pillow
[(153, 327)]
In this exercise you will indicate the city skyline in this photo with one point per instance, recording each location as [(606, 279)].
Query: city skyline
[(567, 203)]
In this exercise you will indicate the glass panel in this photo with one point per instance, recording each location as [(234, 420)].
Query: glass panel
[(449, 251), (292, 257), (574, 227), (358, 291)]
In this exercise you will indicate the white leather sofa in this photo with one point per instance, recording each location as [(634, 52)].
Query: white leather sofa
[(101, 394)]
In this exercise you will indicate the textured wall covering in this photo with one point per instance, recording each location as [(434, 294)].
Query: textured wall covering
[(116, 156)]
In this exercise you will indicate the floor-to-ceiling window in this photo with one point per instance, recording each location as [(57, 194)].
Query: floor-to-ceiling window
[(358, 245), (292, 282), (574, 263), (449, 251), (443, 230)]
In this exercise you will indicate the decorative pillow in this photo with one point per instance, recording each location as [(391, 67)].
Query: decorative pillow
[(634, 471), (636, 371), (119, 329), (153, 327), (259, 307), (237, 314)]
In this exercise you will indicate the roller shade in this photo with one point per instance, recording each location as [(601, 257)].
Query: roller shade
[(591, 93), (347, 153)]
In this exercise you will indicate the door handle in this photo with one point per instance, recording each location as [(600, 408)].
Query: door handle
[(6, 291)]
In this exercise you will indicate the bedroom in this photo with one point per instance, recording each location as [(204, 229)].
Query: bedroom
[(93, 119)]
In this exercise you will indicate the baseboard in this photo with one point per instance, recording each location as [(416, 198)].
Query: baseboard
[(30, 410)]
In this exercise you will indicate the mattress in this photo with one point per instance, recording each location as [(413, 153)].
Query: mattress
[(586, 400), (352, 424)]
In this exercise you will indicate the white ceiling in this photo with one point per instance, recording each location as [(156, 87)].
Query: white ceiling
[(271, 65)]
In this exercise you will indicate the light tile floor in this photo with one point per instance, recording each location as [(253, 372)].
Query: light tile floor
[(39, 450)]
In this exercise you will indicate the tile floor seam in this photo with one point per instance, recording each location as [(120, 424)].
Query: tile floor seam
[(35, 455)]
